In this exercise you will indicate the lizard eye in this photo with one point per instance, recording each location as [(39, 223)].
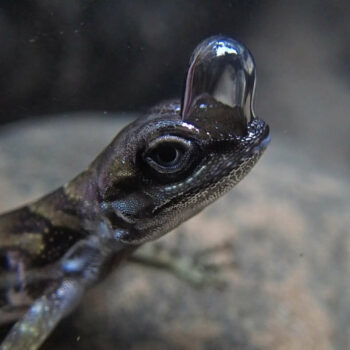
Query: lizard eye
[(169, 154)]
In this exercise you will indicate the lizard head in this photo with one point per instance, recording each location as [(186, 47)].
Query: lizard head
[(166, 167)]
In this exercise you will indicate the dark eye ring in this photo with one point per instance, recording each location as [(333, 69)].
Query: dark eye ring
[(168, 154)]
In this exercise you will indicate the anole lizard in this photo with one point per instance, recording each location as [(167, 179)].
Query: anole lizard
[(158, 171)]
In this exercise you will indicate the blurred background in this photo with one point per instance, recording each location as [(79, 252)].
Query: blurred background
[(72, 71), (109, 55)]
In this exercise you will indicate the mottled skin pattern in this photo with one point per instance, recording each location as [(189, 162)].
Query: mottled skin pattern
[(158, 172)]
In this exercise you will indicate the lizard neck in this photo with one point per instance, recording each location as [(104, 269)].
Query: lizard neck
[(82, 192), (48, 227)]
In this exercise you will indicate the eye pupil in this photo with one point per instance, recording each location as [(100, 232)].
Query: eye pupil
[(167, 154)]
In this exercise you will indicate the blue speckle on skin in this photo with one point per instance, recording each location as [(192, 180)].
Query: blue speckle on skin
[(73, 265)]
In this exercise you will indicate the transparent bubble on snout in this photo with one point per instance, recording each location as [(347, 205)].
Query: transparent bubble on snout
[(222, 69)]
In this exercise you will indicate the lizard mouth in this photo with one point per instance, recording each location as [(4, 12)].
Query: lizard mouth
[(266, 140)]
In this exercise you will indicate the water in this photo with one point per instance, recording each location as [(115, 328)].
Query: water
[(286, 225)]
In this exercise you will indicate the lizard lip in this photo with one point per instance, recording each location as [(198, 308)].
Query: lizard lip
[(265, 141)]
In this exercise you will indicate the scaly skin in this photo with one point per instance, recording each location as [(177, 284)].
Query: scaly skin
[(159, 171)]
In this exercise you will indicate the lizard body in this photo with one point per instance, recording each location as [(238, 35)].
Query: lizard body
[(158, 171)]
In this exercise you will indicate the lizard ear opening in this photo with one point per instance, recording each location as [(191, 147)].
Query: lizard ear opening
[(224, 70)]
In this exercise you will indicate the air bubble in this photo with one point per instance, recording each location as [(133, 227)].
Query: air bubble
[(222, 69)]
